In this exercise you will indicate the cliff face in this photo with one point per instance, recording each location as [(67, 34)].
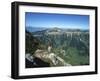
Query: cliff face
[(64, 38)]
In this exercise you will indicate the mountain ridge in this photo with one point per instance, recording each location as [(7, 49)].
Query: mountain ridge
[(35, 29)]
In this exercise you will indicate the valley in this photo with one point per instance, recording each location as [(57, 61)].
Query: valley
[(69, 45)]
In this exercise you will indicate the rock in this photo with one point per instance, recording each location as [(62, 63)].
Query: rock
[(32, 62), (29, 57), (50, 58)]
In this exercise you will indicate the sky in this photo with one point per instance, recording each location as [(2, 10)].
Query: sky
[(48, 20)]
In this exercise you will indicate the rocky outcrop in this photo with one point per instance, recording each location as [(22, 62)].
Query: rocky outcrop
[(50, 58), (32, 62)]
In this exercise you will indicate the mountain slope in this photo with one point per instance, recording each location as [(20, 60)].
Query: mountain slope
[(72, 45)]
